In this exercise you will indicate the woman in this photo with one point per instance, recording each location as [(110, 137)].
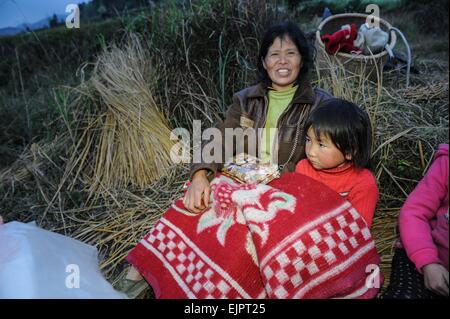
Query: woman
[(282, 99)]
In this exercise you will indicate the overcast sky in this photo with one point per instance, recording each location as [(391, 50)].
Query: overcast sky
[(15, 12)]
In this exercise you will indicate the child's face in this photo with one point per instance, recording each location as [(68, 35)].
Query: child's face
[(322, 153)]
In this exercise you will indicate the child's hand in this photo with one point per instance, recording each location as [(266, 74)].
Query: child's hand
[(436, 278)]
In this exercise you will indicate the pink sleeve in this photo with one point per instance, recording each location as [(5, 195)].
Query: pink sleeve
[(420, 207)]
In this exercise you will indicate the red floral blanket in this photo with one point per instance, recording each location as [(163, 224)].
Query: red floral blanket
[(293, 238)]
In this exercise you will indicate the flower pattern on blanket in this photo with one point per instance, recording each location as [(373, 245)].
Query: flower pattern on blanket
[(231, 202), (314, 246)]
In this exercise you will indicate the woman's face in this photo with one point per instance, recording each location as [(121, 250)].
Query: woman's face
[(282, 63)]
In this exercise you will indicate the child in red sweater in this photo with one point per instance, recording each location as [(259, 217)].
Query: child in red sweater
[(338, 144)]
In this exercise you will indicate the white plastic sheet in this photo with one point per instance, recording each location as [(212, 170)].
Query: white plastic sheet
[(35, 263)]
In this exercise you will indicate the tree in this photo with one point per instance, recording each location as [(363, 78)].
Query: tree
[(53, 21)]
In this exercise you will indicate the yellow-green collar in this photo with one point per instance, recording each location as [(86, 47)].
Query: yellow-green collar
[(281, 95)]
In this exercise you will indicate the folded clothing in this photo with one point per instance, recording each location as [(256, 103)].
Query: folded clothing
[(342, 40), (371, 40)]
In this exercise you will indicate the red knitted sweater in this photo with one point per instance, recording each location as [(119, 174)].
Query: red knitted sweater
[(359, 187)]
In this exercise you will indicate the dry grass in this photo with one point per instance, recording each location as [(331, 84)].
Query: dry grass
[(109, 177), (126, 138), (134, 142), (115, 225), (31, 162), (106, 178)]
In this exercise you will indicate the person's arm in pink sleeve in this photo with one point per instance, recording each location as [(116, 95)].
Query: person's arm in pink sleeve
[(419, 208)]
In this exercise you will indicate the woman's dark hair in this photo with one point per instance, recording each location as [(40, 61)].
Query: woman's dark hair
[(348, 127), (291, 30)]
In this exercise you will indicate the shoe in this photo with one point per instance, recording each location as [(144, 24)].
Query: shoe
[(131, 288)]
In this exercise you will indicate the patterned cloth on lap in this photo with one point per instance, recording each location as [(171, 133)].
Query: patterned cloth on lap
[(293, 238)]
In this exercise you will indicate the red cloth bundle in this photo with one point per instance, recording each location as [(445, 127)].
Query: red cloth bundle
[(293, 238), (341, 41)]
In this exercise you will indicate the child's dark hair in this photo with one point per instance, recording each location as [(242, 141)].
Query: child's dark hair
[(348, 127)]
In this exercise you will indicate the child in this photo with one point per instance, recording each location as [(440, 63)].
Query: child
[(338, 145), (420, 270)]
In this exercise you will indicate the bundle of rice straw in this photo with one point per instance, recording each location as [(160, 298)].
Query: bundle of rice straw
[(128, 133)]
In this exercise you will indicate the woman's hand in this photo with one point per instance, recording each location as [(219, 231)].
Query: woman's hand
[(196, 198), (436, 278)]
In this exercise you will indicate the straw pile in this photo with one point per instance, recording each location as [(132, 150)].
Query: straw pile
[(126, 140), (109, 176)]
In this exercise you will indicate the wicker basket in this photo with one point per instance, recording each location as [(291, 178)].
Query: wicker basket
[(355, 63)]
